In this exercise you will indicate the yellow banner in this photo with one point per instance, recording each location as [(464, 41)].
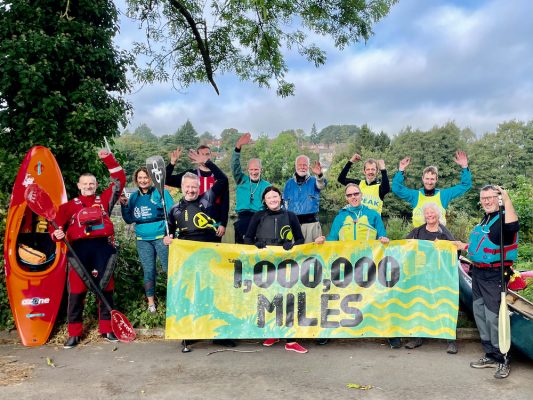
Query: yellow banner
[(335, 290)]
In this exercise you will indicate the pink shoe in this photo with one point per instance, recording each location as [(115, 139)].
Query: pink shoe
[(270, 342), (294, 346)]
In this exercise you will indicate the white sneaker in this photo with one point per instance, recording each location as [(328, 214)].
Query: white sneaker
[(151, 308)]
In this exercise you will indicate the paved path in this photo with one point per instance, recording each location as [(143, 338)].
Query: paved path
[(156, 369)]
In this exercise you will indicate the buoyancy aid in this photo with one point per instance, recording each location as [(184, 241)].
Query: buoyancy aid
[(206, 183), (191, 219), (274, 228), (418, 213), (371, 197), (484, 253), (98, 224), (357, 228)]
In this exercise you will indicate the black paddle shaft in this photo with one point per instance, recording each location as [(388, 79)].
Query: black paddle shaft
[(83, 273), (157, 172), (502, 257)]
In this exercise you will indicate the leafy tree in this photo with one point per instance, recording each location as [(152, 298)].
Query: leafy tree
[(185, 137), (501, 156), (61, 83), (206, 136), (196, 39), (314, 137), (229, 137), (279, 156), (144, 133), (134, 150), (521, 197)]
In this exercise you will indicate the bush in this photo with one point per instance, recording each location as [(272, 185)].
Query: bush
[(397, 228), (460, 224)]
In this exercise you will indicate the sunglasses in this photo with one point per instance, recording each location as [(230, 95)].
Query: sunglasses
[(353, 194)]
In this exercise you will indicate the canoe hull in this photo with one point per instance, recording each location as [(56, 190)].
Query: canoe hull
[(521, 322), (35, 289)]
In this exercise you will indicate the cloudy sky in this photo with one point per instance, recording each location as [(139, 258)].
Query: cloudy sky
[(429, 62)]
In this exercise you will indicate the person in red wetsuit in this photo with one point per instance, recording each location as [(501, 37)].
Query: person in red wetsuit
[(86, 224)]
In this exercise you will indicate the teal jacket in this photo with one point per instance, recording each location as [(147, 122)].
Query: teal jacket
[(146, 210), (248, 196), (446, 195), (357, 223)]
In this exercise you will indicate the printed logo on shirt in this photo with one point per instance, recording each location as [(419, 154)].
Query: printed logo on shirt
[(286, 232), (201, 220)]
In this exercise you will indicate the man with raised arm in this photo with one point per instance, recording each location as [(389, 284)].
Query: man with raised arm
[(249, 189), (207, 180), (373, 190), (429, 193), (85, 222), (483, 249), (302, 196), (192, 218)]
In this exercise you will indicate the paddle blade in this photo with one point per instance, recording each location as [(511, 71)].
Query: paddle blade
[(156, 169), (504, 326), (122, 327), (40, 202)]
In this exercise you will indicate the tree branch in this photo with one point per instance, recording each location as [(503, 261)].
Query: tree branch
[(204, 51)]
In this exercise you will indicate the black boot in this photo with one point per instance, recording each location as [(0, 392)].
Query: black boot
[(71, 342)]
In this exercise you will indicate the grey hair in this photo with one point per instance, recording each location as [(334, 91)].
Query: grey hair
[(257, 160), (190, 175), (489, 187), (436, 208), (302, 156)]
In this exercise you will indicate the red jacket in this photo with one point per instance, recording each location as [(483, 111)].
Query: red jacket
[(69, 213)]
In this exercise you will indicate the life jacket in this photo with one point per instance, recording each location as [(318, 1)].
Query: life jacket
[(90, 221), (274, 229), (418, 214), (206, 183), (191, 219), (357, 228), (371, 197), (485, 253)]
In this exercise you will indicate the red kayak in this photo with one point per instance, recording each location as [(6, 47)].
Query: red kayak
[(35, 265)]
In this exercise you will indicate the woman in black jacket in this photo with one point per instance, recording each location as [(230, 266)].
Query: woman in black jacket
[(275, 226)]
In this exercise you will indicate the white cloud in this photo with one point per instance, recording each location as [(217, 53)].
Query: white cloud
[(428, 64)]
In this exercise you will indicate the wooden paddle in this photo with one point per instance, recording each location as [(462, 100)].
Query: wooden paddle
[(504, 322), (157, 172), (41, 204)]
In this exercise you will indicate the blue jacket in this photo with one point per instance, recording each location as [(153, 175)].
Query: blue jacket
[(304, 198), (146, 210), (357, 223)]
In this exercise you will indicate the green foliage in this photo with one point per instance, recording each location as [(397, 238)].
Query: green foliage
[(136, 147), (459, 223), (196, 39), (397, 228), (229, 137), (61, 83), (521, 196), (6, 317), (501, 156)]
